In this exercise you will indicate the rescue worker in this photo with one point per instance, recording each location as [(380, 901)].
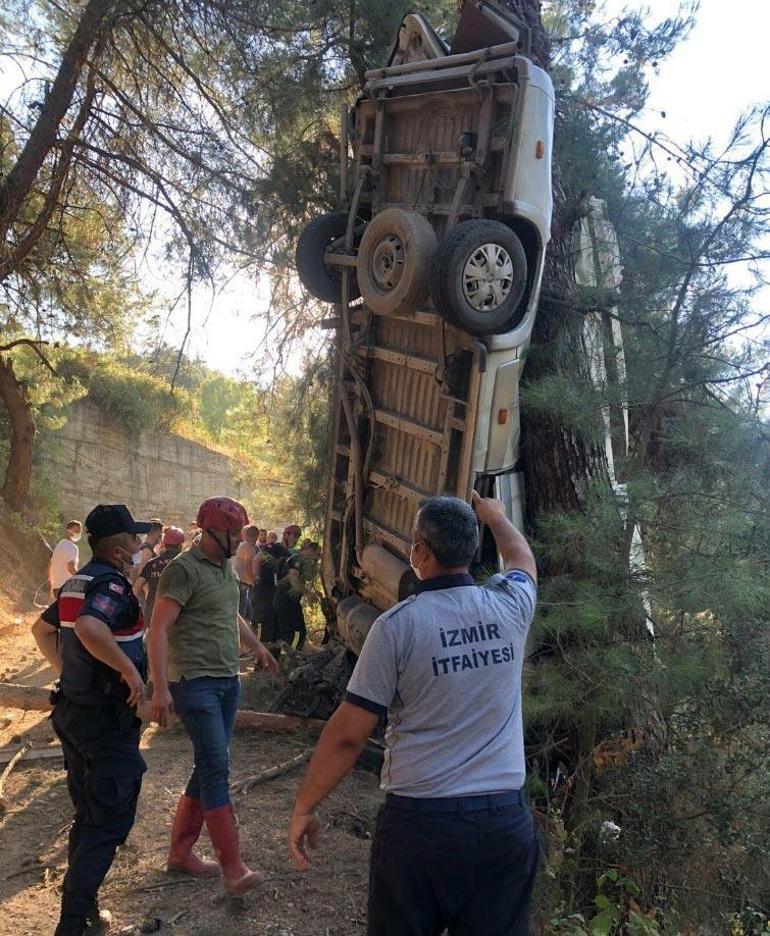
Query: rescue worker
[(288, 617), (268, 570), (454, 845), (146, 585), (194, 643), (92, 637)]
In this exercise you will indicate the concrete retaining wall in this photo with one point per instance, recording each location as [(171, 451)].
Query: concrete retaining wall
[(91, 461)]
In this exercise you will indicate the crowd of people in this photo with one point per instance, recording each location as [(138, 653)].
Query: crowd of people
[(454, 847), (275, 579)]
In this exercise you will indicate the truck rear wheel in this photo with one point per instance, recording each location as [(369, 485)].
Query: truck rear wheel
[(479, 276), (321, 279), (394, 261)]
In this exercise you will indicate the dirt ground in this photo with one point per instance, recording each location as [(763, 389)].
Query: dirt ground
[(330, 900)]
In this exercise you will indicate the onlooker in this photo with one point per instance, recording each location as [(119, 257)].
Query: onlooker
[(268, 571), (194, 641), (192, 532), (289, 620), (64, 558), (291, 535), (299, 571), (146, 585), (454, 845), (92, 636), (151, 541), (243, 566), (262, 539)]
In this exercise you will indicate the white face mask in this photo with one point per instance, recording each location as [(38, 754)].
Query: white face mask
[(415, 569), (131, 558)]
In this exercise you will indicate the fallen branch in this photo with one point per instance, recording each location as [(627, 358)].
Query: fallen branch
[(11, 764), (31, 698), (27, 698), (34, 754), (243, 786)]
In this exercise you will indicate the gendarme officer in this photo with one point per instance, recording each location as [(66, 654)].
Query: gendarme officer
[(92, 637)]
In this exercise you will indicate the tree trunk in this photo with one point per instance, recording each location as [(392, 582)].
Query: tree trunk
[(18, 184), (18, 473)]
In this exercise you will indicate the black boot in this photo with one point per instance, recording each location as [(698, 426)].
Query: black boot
[(98, 921)]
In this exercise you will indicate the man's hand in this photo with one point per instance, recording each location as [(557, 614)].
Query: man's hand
[(303, 835), (136, 686), (512, 546), (487, 508), (162, 706), (266, 658)]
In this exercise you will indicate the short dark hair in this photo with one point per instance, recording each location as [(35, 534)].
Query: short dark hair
[(449, 527), (101, 548)]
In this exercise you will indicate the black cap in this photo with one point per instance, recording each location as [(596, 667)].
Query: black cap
[(109, 519)]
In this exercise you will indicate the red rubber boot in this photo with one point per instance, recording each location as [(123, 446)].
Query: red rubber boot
[(237, 876), (188, 823)]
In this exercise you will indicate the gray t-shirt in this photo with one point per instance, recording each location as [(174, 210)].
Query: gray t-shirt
[(446, 665)]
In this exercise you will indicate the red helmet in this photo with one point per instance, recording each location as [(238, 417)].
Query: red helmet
[(222, 513), (173, 536)]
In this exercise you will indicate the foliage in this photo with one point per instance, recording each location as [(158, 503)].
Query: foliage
[(664, 736)]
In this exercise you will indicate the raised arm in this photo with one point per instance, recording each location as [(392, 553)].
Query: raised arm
[(511, 545)]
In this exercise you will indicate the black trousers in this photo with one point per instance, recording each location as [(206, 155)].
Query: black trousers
[(471, 873), (104, 776)]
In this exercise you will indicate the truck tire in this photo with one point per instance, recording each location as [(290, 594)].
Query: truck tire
[(394, 261), (320, 279), (479, 276)]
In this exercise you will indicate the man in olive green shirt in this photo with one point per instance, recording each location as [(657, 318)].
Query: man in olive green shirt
[(195, 637)]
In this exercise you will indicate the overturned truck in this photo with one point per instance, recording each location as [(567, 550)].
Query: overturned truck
[(434, 268)]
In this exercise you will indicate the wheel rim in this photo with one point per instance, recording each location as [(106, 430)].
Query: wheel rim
[(387, 263), (488, 277)]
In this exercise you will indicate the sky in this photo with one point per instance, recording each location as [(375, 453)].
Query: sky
[(712, 77)]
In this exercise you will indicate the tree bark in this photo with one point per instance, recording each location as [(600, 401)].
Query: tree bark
[(19, 182), (18, 474)]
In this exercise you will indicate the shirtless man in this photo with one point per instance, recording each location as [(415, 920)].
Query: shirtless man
[(243, 566)]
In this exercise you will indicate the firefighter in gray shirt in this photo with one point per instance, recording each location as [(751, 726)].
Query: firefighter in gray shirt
[(454, 847)]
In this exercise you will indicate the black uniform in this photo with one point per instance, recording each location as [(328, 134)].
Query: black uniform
[(151, 574), (98, 731), (271, 570), (288, 617)]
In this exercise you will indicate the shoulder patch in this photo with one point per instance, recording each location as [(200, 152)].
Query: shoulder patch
[(514, 575), (117, 587), (105, 604)]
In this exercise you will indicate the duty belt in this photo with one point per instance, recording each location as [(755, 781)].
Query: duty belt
[(457, 804)]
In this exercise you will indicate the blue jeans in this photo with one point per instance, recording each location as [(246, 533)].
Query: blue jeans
[(206, 707)]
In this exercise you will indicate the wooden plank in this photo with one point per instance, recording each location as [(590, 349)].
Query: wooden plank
[(378, 532), (389, 483), (446, 61), (410, 426), (412, 361), (446, 74)]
